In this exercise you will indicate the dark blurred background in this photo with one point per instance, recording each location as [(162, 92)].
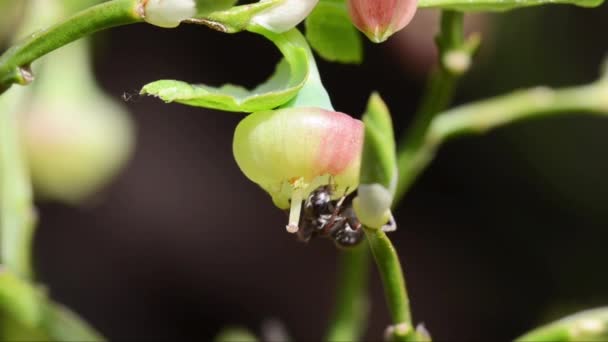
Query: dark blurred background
[(503, 232)]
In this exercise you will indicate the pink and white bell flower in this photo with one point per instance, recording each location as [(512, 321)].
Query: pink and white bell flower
[(291, 152)]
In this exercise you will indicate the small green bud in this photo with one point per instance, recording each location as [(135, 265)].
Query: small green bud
[(378, 168), (373, 205)]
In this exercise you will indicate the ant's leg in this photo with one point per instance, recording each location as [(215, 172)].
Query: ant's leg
[(335, 220), (340, 203)]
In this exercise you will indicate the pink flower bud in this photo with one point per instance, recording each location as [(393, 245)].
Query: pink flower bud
[(291, 152), (379, 19), (75, 137)]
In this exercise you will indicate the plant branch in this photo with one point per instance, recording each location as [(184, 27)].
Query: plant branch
[(351, 307), (393, 281), (391, 273), (442, 81), (15, 62), (454, 59), (453, 50), (480, 117)]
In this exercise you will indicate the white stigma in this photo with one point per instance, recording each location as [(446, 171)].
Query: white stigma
[(169, 13), (292, 229), (297, 197)]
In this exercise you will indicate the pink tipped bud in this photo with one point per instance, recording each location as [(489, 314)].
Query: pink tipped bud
[(379, 19)]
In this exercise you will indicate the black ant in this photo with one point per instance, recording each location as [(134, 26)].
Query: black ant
[(324, 217)]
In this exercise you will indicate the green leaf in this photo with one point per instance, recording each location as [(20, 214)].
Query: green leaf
[(237, 18), (590, 325), (235, 334), (332, 34), (379, 161), (289, 77), (312, 93), (19, 300), (208, 6), (499, 5), (27, 314), (61, 324)]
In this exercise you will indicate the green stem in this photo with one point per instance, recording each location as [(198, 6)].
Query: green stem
[(393, 280), (437, 97), (15, 63), (480, 117), (351, 307), (17, 217), (441, 83)]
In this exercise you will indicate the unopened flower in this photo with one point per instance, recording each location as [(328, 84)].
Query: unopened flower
[(291, 152), (75, 137), (378, 178), (379, 19), (73, 150), (286, 15)]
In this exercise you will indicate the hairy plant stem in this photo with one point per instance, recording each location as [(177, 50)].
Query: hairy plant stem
[(351, 307), (15, 62)]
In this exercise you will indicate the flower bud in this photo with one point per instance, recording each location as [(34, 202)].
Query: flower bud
[(285, 16), (373, 205), (379, 174), (75, 138), (291, 152), (74, 150), (169, 13), (379, 19)]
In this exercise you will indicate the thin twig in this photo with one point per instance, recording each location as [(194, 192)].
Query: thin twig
[(15, 62)]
